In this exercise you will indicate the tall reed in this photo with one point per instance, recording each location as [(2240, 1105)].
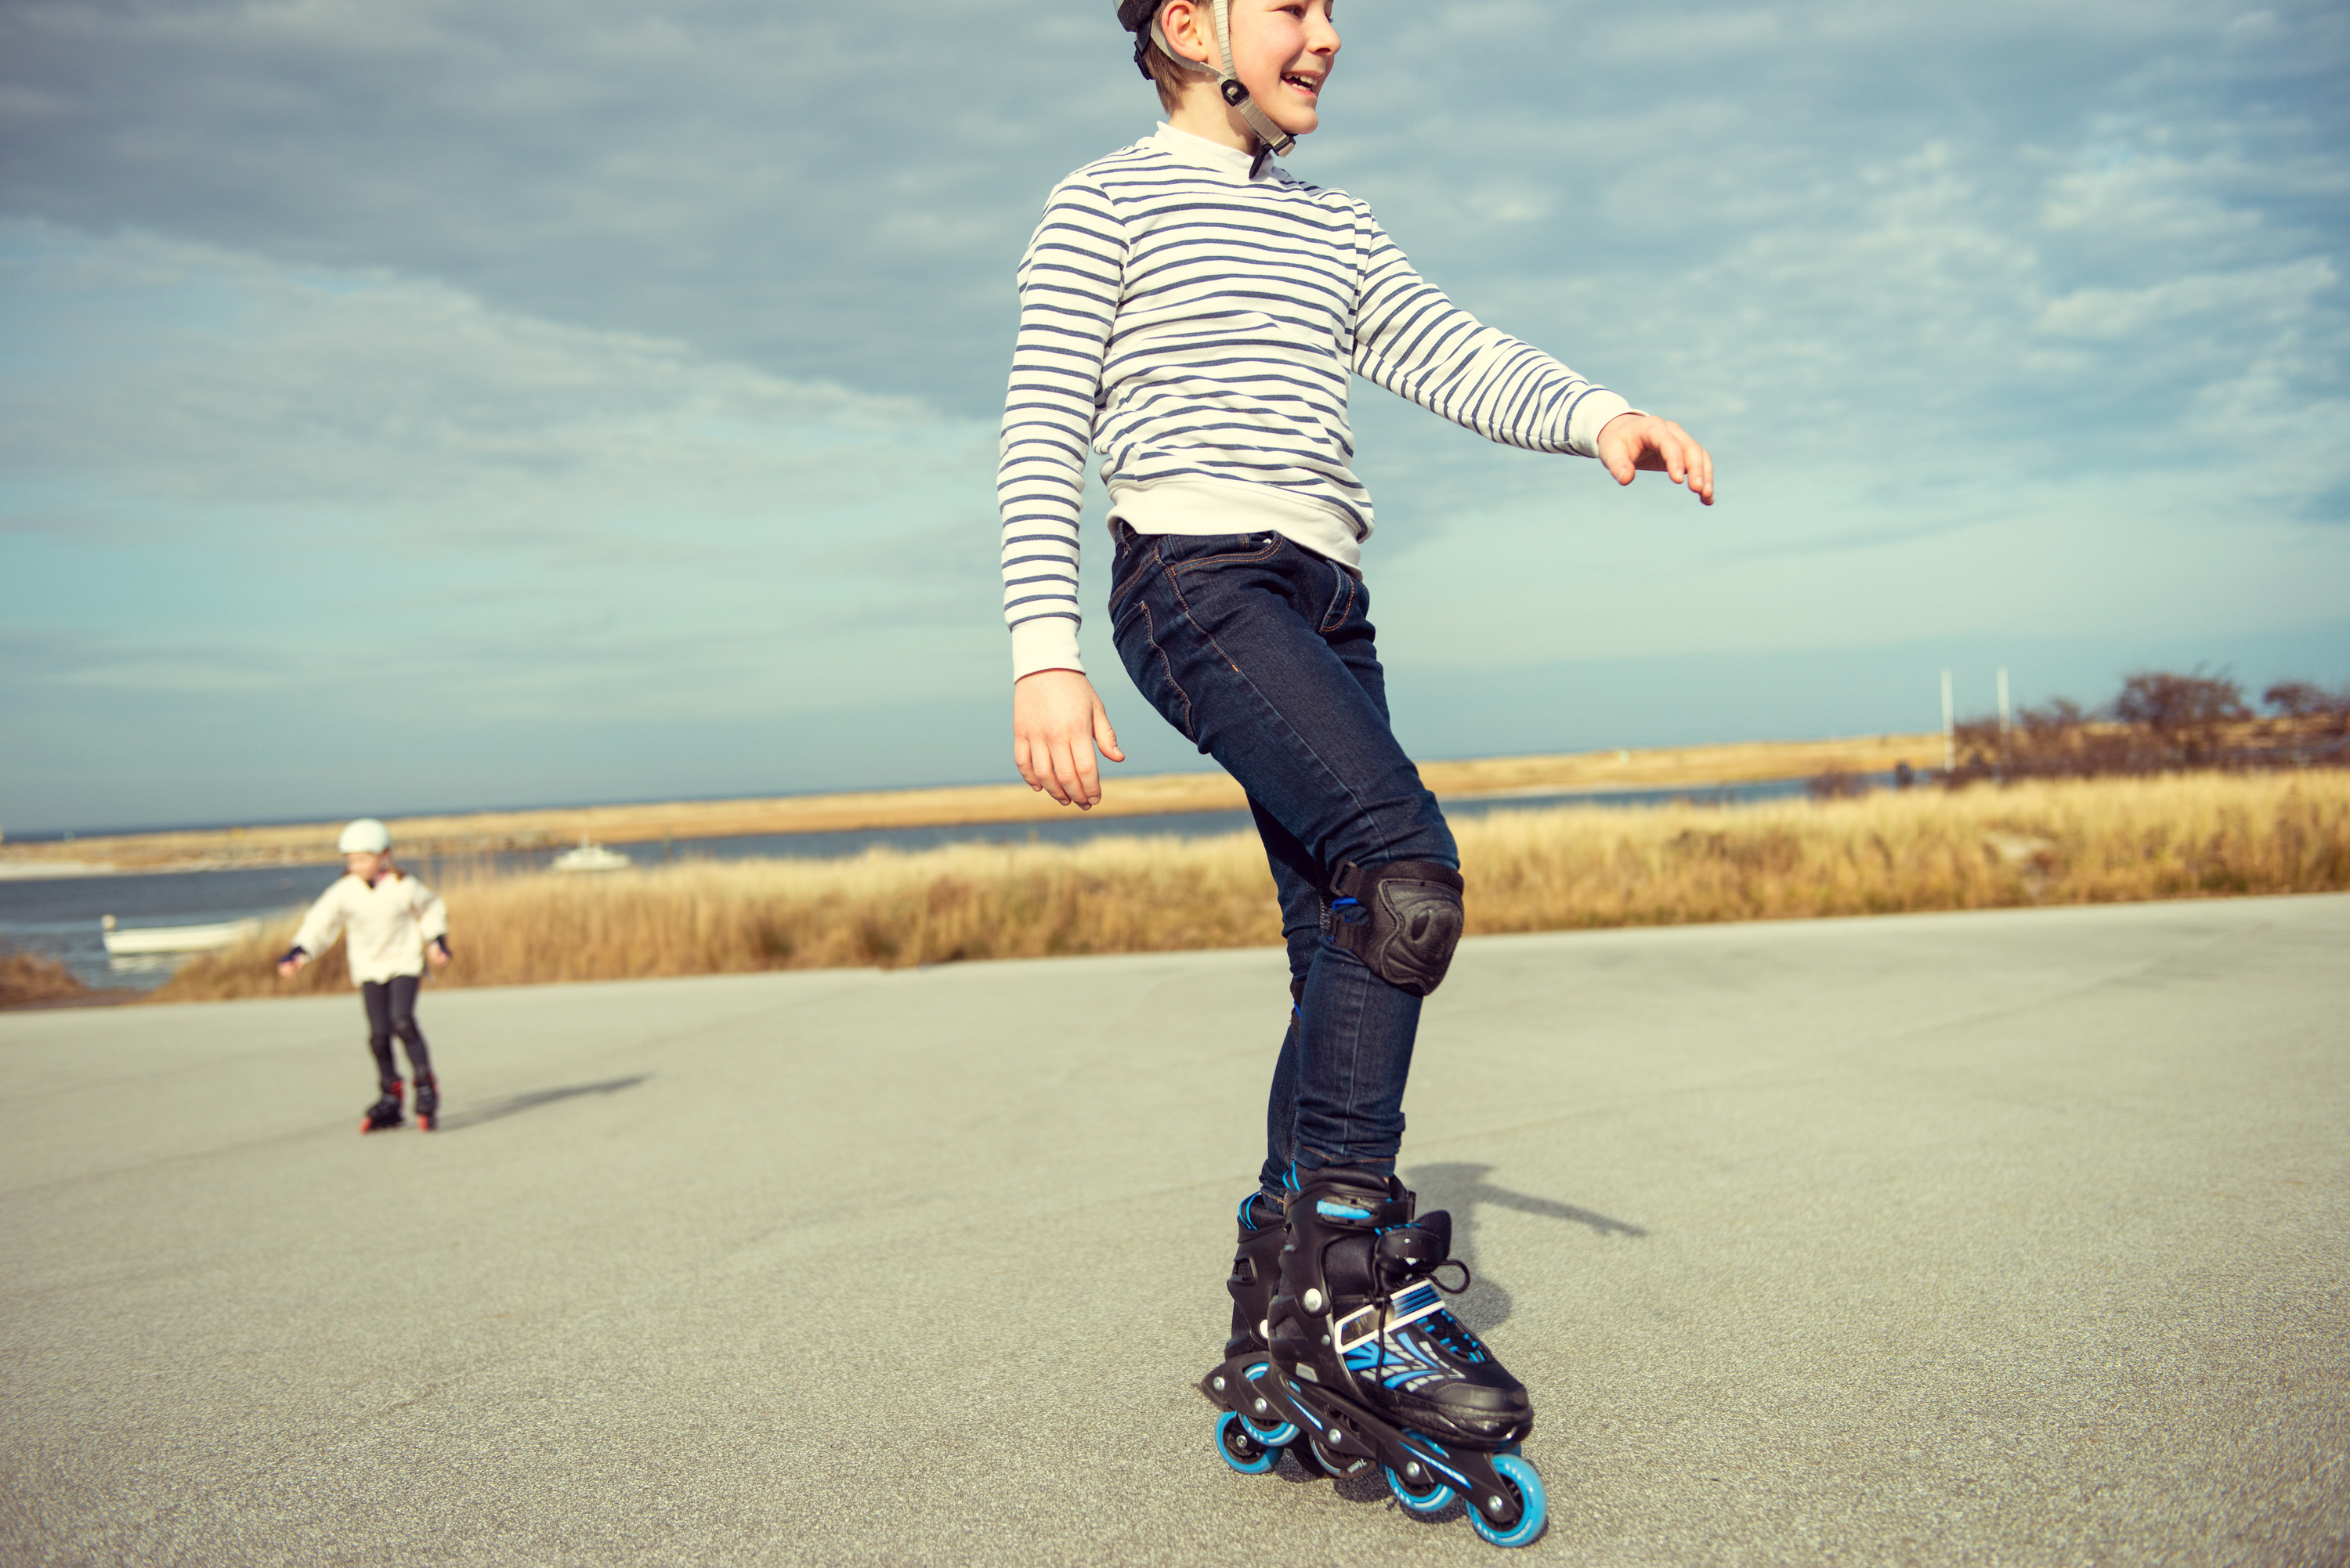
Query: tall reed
[(2098, 841)]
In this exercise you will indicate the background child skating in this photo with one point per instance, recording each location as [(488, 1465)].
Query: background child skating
[(1194, 313), (395, 926)]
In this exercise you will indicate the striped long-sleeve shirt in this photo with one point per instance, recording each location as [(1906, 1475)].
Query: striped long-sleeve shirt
[(1195, 321)]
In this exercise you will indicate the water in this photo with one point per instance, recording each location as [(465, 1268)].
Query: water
[(60, 916)]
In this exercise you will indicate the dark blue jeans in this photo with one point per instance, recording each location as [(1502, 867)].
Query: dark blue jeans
[(392, 1010), (1261, 652)]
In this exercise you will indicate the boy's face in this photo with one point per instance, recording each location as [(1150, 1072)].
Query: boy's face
[(365, 865), (1282, 51)]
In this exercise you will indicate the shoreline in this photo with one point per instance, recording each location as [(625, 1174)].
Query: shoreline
[(457, 835)]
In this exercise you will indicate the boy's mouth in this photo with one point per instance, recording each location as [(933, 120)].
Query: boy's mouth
[(1310, 85)]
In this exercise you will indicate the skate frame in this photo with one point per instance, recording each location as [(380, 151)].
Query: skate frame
[(1247, 1382)]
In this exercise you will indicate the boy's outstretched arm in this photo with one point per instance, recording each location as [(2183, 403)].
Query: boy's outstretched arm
[(1629, 443), (1056, 722)]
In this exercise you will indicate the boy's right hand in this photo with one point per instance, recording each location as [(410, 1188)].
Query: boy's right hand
[(1056, 722), (288, 968)]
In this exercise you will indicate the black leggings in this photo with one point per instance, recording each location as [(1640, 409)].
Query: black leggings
[(391, 1010)]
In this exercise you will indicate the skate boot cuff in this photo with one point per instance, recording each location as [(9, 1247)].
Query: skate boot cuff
[(1261, 1211)]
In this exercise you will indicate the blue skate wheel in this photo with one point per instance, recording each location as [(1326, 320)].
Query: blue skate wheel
[(1322, 1462), (1533, 1509), (1271, 1437), (1275, 1433), (1241, 1449), (1436, 1499)]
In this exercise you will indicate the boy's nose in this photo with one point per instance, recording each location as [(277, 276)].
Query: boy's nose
[(1321, 32)]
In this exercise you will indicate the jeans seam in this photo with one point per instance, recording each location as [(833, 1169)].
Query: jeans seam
[(1151, 637), (1368, 815), (1349, 1113)]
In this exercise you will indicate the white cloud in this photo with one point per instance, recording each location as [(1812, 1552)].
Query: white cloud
[(547, 505)]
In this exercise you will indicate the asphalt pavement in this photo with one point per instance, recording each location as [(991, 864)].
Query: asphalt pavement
[(2012, 1238)]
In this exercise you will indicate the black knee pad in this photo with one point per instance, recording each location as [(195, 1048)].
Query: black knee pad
[(1402, 920)]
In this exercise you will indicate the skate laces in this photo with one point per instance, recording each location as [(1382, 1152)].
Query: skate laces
[(1418, 1297)]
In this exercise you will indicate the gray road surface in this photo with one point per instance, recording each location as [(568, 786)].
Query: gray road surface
[(2012, 1238)]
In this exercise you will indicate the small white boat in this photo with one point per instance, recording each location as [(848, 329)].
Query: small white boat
[(589, 856), (146, 940)]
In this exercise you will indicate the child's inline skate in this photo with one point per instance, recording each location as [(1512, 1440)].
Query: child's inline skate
[(428, 1102), (1356, 1361), (384, 1115)]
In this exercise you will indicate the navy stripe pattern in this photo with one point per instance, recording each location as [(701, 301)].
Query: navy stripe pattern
[(1189, 322)]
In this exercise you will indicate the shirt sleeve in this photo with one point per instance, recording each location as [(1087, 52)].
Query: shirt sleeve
[(432, 915), (1069, 283), (322, 924), (1412, 340)]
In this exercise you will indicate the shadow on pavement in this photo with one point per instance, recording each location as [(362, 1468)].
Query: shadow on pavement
[(1463, 1189), (515, 1105)]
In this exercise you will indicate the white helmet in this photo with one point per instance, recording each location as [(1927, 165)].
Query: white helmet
[(365, 836)]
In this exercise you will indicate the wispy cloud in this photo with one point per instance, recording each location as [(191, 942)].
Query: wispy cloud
[(518, 503)]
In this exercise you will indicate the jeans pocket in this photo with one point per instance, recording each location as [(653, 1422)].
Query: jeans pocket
[(1126, 575), (1181, 552), (1345, 596)]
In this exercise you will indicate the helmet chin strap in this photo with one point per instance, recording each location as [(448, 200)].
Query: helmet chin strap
[(1276, 140)]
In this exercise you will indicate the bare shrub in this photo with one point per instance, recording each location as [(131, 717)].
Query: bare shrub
[(2161, 723), (2189, 714), (2301, 700), (1836, 783), (27, 977)]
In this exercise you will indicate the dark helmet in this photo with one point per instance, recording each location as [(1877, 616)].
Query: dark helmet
[(1140, 18)]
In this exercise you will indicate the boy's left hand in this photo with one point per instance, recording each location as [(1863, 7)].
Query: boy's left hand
[(437, 954), (1632, 442)]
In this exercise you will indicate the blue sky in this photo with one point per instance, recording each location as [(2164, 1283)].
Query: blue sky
[(507, 402)]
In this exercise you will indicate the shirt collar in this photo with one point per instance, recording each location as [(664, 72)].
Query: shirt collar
[(1185, 148)]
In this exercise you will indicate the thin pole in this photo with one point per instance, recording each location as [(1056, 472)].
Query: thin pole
[(2003, 724), (1949, 728)]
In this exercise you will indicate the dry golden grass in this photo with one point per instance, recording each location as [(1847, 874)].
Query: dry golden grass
[(29, 979), (477, 833), (2100, 841)]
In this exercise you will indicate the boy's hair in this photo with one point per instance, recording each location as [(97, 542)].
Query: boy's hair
[(1167, 73)]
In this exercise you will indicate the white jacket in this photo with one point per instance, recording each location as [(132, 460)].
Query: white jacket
[(389, 922)]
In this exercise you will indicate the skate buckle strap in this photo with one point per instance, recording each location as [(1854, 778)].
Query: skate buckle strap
[(1364, 1325)]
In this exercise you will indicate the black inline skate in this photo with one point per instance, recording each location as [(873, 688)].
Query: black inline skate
[(1363, 1363), (384, 1115), (428, 1101)]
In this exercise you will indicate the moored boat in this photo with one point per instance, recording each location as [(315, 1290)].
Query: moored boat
[(591, 857), (145, 939)]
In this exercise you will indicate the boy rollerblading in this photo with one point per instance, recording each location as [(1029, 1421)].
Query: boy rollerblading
[(396, 925), (1195, 313)]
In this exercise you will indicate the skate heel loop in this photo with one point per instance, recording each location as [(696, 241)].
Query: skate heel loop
[(1256, 1270), (1413, 1250)]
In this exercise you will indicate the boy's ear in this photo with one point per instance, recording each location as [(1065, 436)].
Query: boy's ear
[(1191, 29)]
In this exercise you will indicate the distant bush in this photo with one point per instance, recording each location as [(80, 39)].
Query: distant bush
[(2162, 722), (26, 978), (1836, 783)]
